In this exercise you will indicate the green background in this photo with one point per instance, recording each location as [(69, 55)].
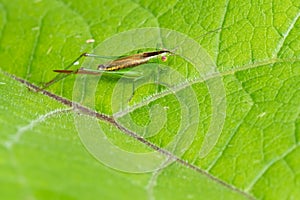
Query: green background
[(257, 52)]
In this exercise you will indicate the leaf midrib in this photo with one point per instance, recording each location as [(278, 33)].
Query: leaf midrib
[(111, 120)]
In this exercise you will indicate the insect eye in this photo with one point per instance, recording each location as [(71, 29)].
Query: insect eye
[(101, 67), (164, 58)]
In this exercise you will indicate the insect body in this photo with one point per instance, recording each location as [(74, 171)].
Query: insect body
[(112, 67), (132, 61)]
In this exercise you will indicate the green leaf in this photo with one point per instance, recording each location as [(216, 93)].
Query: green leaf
[(219, 119)]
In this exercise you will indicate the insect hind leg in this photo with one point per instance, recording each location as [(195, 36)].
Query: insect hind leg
[(62, 76)]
